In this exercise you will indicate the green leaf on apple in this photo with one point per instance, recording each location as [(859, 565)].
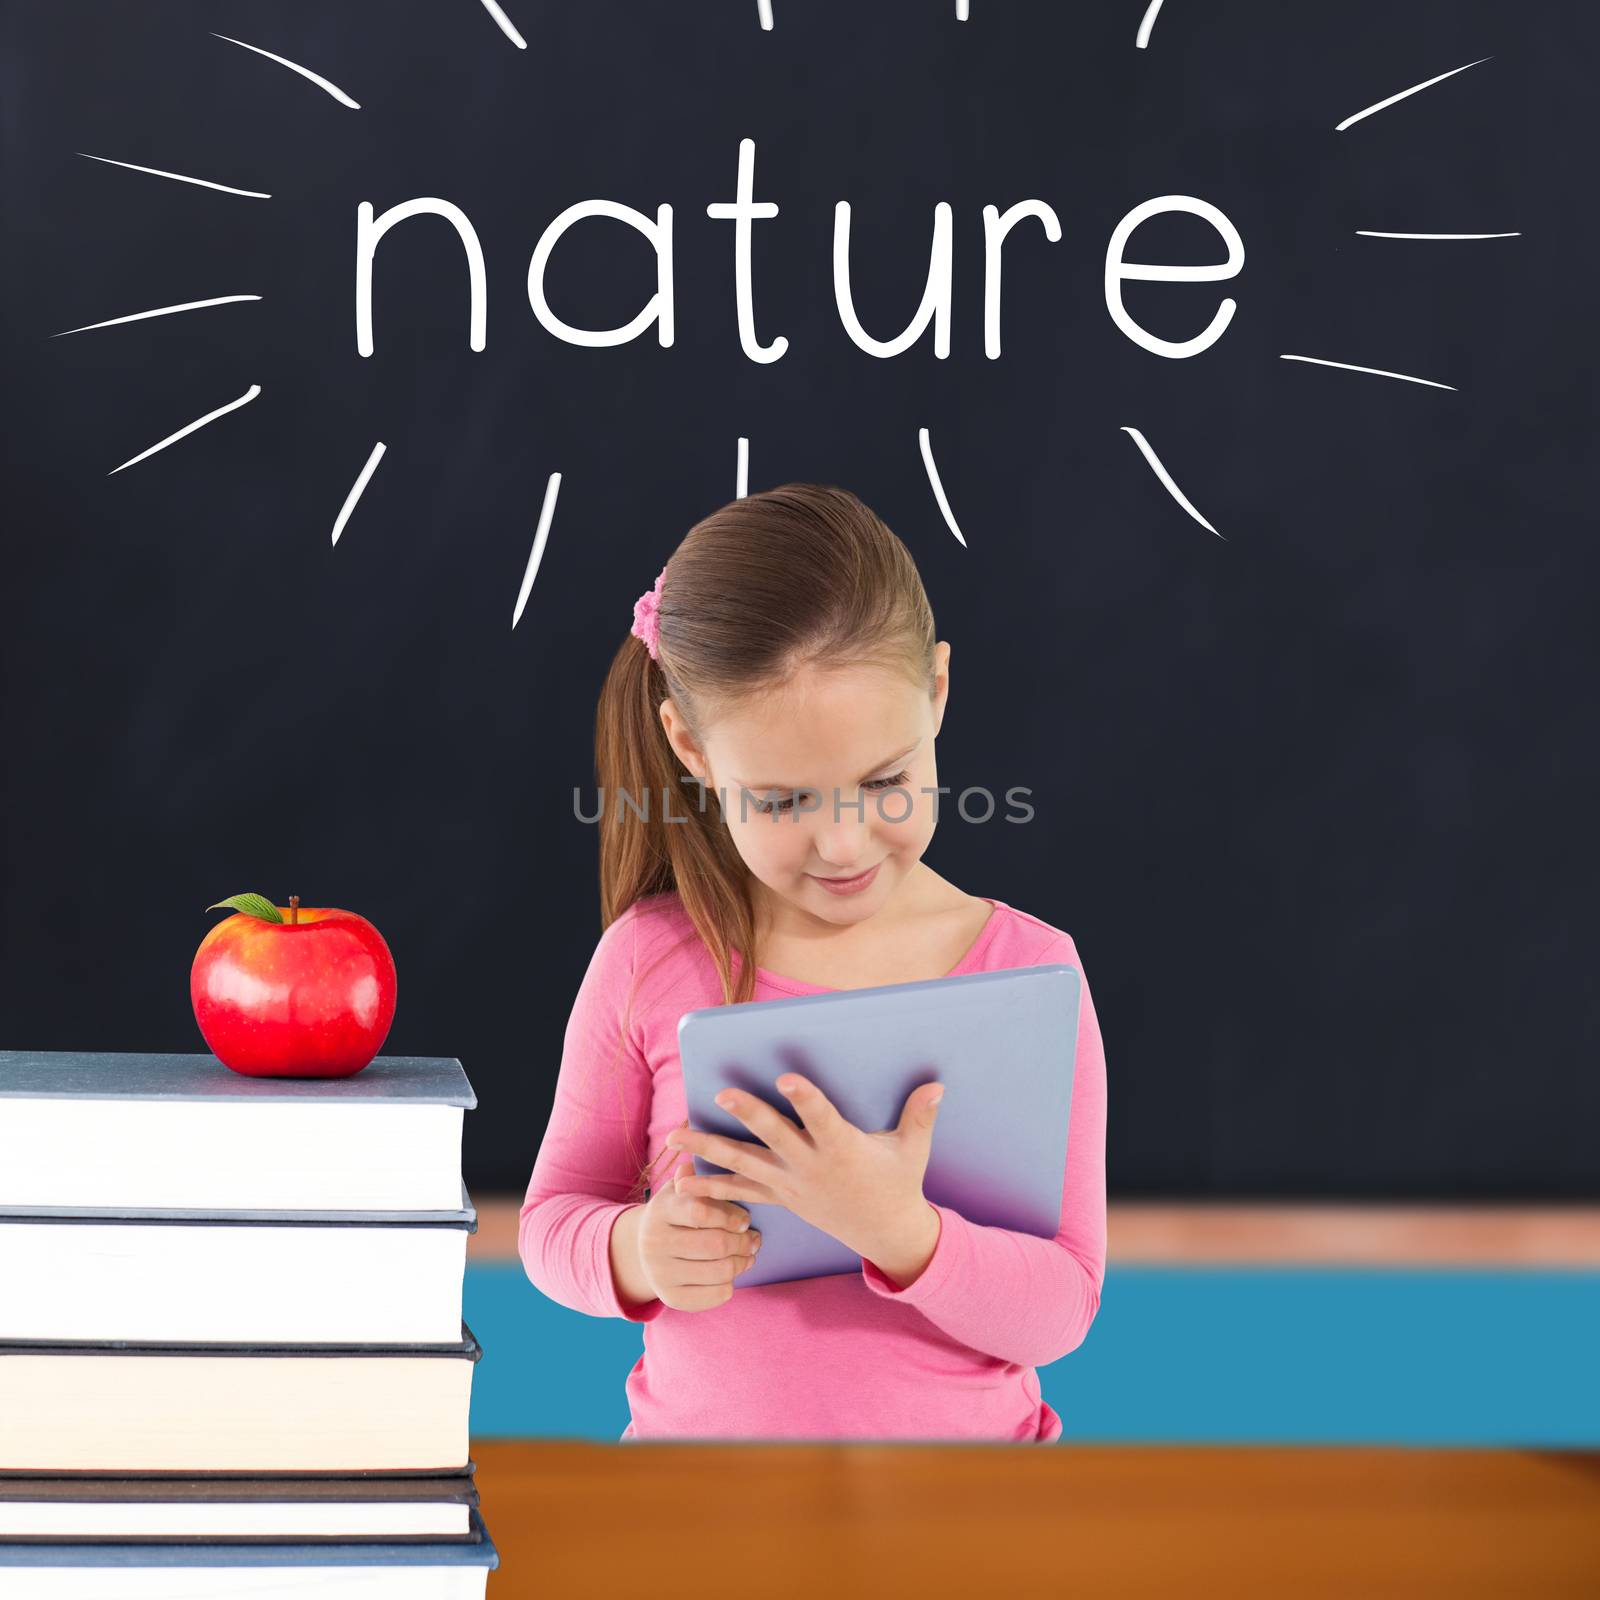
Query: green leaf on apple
[(252, 905)]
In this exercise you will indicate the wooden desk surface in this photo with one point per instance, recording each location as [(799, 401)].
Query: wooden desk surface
[(832, 1521)]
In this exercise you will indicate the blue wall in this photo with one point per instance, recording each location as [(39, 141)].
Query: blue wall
[(1180, 1355)]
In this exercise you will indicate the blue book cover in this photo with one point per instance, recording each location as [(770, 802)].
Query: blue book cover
[(466, 1348), (475, 1551), (198, 1075)]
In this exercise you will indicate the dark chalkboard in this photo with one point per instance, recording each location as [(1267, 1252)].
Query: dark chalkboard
[(1312, 769)]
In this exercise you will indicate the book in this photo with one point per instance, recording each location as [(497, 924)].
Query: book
[(216, 1509), (135, 1131), (115, 1406), (305, 1277), (448, 1569)]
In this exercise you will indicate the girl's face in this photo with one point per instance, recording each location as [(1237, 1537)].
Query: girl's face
[(831, 777)]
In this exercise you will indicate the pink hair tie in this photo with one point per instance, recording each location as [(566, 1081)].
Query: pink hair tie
[(647, 618)]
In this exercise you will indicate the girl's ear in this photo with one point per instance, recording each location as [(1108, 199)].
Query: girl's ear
[(678, 737), (941, 678)]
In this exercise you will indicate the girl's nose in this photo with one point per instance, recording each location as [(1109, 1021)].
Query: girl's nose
[(842, 843)]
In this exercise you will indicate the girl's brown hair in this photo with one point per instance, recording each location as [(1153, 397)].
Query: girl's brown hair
[(758, 592)]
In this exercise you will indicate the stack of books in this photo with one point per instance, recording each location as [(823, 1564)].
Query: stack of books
[(231, 1332)]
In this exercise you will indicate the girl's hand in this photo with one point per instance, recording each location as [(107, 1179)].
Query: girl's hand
[(691, 1248), (863, 1188)]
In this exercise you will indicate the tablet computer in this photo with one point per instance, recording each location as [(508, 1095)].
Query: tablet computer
[(1002, 1043)]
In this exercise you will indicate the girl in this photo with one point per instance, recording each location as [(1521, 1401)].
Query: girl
[(765, 757)]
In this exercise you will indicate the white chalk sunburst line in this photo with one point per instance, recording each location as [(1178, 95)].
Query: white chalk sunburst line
[(1165, 478), (356, 489), (1373, 233), (938, 487), (1376, 372), (160, 311), (505, 25), (199, 422), (205, 183), (1415, 88), (294, 66), (542, 533)]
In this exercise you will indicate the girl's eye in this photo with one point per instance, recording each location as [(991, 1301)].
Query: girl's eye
[(767, 807)]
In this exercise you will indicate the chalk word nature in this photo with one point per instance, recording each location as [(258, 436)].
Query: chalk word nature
[(744, 210)]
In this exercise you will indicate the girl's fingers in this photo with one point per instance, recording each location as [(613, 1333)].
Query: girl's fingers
[(738, 1155), (703, 1244), (726, 1186), (697, 1273), (821, 1118), (776, 1131), (691, 1211)]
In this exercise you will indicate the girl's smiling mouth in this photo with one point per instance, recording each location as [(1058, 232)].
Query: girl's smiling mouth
[(847, 885)]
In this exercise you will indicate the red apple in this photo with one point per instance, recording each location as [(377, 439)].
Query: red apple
[(307, 995)]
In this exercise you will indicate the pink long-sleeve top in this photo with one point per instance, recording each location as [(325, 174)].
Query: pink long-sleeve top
[(848, 1356)]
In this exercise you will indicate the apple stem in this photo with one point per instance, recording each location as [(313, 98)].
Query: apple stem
[(294, 909)]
